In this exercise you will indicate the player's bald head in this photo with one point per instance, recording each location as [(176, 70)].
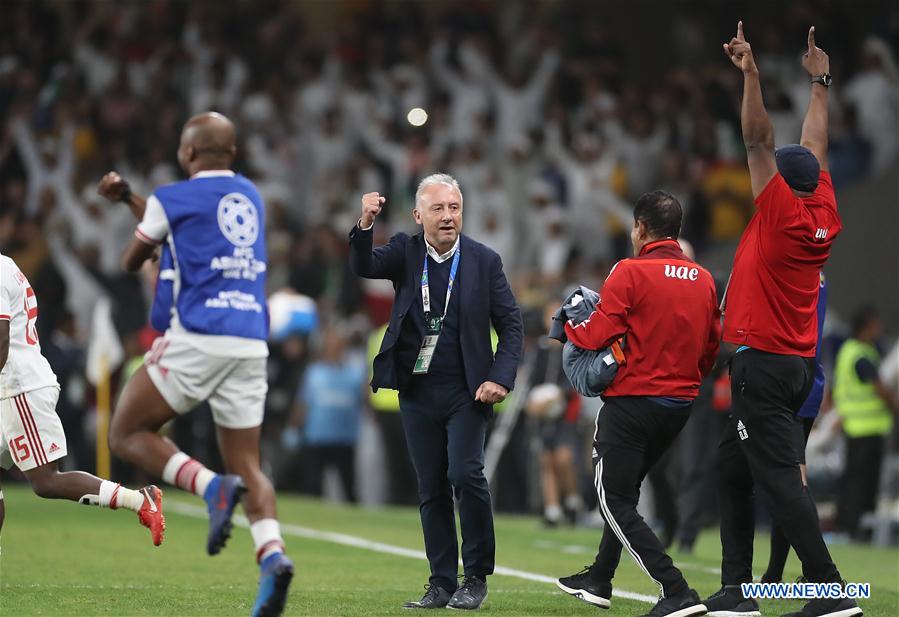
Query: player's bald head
[(207, 139)]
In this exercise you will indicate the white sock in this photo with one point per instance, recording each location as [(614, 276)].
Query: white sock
[(573, 502), (187, 474), (552, 513), (115, 496), (267, 538)]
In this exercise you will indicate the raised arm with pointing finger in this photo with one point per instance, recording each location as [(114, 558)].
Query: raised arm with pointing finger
[(758, 131), (771, 318), (814, 127)]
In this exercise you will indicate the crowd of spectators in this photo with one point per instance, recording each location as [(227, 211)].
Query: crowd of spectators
[(532, 106)]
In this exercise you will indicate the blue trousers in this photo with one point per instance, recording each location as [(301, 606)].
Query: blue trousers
[(445, 433)]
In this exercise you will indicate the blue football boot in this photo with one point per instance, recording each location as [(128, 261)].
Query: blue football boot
[(222, 496), (276, 572)]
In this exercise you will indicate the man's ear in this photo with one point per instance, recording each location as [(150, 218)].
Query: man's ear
[(416, 216), (641, 228)]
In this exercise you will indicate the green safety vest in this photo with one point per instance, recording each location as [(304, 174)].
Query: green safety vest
[(863, 412), (383, 399), (389, 400)]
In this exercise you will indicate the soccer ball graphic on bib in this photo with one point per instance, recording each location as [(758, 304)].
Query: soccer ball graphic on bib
[(238, 219)]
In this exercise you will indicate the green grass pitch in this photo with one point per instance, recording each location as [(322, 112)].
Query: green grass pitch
[(60, 558)]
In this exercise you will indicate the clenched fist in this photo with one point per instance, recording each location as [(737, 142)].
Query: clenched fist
[(371, 208), (113, 187)]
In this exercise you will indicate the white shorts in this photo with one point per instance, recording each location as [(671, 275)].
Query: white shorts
[(235, 388), (31, 432)]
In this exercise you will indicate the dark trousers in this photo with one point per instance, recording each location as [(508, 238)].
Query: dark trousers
[(445, 432), (758, 450), (780, 546), (861, 478), (663, 498), (340, 457), (696, 500), (631, 434)]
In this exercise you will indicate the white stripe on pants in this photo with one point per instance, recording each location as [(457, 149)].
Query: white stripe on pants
[(616, 529)]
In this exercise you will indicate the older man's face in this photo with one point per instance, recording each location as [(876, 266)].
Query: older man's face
[(439, 212)]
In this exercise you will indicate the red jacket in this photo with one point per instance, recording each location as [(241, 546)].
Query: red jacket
[(667, 307)]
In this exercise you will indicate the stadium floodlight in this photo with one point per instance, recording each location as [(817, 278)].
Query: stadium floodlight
[(417, 116)]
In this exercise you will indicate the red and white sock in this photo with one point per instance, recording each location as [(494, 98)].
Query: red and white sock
[(187, 474), (267, 538), (115, 496)]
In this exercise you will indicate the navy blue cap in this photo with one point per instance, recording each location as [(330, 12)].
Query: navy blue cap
[(798, 166)]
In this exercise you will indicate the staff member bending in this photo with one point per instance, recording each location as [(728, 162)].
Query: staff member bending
[(771, 315), (666, 306), (437, 352)]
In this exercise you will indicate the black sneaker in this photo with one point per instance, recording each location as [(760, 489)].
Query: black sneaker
[(435, 597), (845, 607), (583, 587), (730, 602), (686, 604), (470, 594)]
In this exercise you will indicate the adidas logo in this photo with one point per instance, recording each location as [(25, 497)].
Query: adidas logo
[(741, 431), (53, 448)]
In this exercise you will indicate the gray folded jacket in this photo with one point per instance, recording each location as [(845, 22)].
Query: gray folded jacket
[(589, 371)]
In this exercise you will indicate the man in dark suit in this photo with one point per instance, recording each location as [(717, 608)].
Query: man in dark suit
[(437, 352)]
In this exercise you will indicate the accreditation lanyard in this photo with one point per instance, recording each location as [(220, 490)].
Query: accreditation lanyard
[(426, 291), (433, 323)]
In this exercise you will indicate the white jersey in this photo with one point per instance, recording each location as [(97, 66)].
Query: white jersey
[(26, 369)]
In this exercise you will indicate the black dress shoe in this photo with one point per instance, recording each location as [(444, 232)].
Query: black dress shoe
[(435, 597), (470, 594), (686, 604), (583, 587)]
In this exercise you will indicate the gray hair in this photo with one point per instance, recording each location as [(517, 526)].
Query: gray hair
[(436, 179)]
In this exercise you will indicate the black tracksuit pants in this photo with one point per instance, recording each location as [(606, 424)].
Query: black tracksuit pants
[(631, 434), (758, 450)]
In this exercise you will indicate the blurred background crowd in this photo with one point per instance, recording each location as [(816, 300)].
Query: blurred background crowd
[(554, 117)]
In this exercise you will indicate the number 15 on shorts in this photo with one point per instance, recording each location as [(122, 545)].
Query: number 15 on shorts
[(19, 448)]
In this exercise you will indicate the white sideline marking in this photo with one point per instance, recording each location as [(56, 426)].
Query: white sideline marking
[(380, 547), (683, 565)]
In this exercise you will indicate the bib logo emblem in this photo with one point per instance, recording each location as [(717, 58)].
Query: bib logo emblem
[(238, 220)]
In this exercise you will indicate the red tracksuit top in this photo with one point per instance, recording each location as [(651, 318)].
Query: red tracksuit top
[(666, 305)]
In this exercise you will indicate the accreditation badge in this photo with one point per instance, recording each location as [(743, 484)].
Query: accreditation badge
[(428, 345)]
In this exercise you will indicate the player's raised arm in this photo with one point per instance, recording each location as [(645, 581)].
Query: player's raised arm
[(115, 188), (814, 127), (758, 131)]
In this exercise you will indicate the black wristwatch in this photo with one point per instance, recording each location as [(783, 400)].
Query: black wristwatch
[(825, 80)]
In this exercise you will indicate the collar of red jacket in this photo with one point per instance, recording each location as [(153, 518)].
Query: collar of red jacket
[(657, 244)]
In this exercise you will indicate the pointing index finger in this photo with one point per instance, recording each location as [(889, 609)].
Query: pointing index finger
[(811, 39), (740, 31)]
